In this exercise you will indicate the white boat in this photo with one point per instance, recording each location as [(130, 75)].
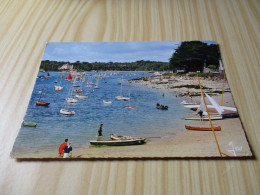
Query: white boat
[(58, 88), (205, 118), (107, 102), (66, 112), (121, 97), (71, 100), (81, 96)]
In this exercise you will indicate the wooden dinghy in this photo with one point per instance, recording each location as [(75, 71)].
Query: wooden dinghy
[(218, 128), (29, 124), (38, 103), (121, 142)]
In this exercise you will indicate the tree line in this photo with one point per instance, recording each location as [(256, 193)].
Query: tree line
[(140, 65)]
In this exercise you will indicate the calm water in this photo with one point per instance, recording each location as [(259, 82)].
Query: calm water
[(52, 127)]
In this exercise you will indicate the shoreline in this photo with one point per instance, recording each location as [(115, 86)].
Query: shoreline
[(182, 143)]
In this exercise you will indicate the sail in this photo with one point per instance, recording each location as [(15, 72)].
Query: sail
[(70, 77), (202, 106), (215, 104)]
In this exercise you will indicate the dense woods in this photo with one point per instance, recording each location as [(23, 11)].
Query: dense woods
[(110, 66)]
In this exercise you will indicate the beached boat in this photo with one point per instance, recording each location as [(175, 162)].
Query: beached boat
[(205, 118), (66, 112), (29, 124), (218, 128), (122, 142), (119, 137)]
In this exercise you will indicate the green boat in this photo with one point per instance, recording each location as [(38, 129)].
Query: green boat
[(123, 142), (29, 124)]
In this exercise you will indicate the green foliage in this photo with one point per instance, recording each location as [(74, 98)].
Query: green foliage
[(212, 67), (191, 56), (108, 66), (201, 74)]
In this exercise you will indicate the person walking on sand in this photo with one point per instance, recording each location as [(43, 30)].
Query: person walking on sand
[(100, 130), (201, 115), (68, 151), (61, 148)]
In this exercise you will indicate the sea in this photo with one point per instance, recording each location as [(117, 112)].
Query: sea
[(53, 128)]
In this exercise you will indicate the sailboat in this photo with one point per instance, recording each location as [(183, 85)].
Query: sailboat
[(96, 85), (121, 97), (41, 103), (202, 107), (79, 90), (58, 87), (70, 99), (129, 106)]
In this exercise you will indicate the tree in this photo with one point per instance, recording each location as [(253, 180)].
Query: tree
[(191, 56)]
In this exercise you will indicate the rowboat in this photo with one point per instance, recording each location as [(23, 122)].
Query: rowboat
[(39, 103), (66, 112), (218, 128), (205, 118), (107, 102), (29, 124), (81, 96), (122, 142)]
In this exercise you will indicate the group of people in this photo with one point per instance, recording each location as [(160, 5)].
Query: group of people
[(65, 149)]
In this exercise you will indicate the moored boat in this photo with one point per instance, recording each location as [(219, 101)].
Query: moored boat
[(161, 107), (81, 96), (217, 128), (29, 124), (66, 112), (107, 102), (71, 100), (39, 103)]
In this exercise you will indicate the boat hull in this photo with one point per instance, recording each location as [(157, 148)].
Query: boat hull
[(218, 128), (42, 103), (205, 118), (66, 112), (118, 142), (122, 98)]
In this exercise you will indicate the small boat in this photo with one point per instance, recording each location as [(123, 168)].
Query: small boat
[(58, 88), (66, 112), (39, 103), (29, 124), (131, 107), (78, 91), (107, 102), (122, 142), (218, 128), (122, 98), (71, 100), (81, 96), (205, 118), (231, 115), (161, 107), (119, 137)]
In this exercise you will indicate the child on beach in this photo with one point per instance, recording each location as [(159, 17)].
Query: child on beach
[(67, 151)]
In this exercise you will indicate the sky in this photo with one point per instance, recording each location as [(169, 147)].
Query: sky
[(111, 51)]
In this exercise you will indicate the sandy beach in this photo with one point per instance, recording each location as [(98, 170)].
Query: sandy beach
[(186, 143)]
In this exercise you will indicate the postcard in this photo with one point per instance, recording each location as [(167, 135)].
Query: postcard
[(110, 100)]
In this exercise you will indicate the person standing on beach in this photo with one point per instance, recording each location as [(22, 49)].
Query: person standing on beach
[(100, 130), (67, 151), (201, 115), (61, 148)]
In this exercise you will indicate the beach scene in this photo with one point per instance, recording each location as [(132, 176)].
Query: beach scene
[(167, 99)]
